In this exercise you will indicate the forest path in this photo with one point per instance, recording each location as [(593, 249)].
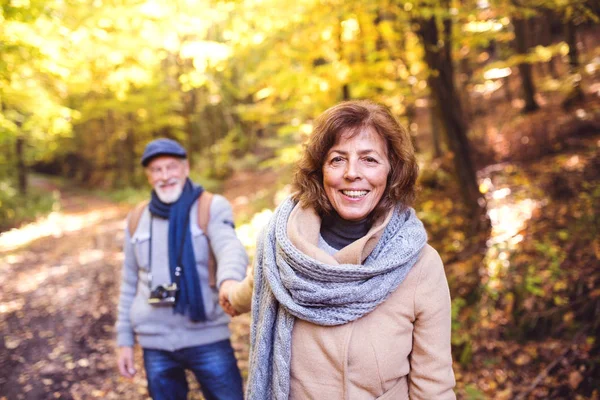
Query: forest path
[(60, 282)]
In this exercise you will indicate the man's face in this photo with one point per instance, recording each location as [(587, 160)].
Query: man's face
[(167, 176)]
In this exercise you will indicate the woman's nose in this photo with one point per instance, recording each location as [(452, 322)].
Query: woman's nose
[(351, 172)]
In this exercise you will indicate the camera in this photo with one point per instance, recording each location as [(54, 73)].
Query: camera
[(163, 295)]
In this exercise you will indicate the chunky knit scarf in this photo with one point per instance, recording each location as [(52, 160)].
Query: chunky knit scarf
[(288, 285)]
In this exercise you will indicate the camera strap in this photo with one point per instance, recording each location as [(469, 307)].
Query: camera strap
[(178, 270)]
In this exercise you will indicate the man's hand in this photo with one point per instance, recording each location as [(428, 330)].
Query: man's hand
[(125, 361), (224, 290)]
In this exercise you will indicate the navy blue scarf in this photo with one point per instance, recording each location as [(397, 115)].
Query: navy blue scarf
[(181, 249)]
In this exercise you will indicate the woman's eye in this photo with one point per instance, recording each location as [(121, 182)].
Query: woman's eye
[(370, 160), (336, 160)]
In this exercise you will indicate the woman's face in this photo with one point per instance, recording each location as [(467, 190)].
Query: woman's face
[(355, 174)]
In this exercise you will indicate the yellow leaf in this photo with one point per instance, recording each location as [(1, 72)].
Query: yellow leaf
[(560, 285), (523, 359), (568, 317), (504, 394)]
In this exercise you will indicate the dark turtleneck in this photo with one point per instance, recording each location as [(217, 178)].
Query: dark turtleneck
[(338, 232)]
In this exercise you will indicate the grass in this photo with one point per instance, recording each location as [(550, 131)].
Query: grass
[(16, 209)]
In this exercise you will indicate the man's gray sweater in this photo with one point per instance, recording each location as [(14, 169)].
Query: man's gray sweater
[(159, 327)]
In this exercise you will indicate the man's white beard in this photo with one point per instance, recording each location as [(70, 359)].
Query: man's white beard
[(169, 196)]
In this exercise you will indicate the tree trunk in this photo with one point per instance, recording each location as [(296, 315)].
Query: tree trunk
[(465, 80), (571, 38), (444, 92), (379, 41), (411, 116), (507, 91), (206, 134), (189, 101), (436, 127), (552, 68), (546, 40), (576, 95), (113, 162), (130, 155), (346, 92), (21, 167), (346, 86), (525, 70)]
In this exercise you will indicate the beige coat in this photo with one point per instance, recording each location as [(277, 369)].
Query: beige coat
[(400, 350)]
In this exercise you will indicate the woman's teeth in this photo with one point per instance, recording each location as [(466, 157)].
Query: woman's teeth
[(355, 193)]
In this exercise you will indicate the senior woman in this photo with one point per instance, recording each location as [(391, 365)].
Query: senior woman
[(349, 300)]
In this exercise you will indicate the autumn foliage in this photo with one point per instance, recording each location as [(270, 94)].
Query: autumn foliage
[(501, 98)]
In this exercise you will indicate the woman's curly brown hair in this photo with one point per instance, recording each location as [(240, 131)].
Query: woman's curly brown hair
[(353, 117)]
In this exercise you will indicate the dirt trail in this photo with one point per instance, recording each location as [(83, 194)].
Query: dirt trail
[(60, 280)]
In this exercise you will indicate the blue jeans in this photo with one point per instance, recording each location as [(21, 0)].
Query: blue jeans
[(214, 366)]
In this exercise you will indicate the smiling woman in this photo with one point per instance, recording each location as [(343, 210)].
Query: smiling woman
[(354, 124), (349, 300)]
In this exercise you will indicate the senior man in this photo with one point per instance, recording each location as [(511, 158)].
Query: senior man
[(167, 299)]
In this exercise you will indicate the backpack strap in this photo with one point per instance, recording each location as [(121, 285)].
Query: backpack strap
[(203, 218), (133, 219)]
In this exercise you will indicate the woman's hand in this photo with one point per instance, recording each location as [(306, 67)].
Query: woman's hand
[(224, 297)]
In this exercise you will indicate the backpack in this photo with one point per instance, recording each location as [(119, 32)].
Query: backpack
[(133, 219)]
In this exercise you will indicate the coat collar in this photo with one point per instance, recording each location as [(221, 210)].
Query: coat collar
[(304, 225)]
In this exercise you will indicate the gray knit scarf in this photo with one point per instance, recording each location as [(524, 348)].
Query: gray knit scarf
[(289, 285)]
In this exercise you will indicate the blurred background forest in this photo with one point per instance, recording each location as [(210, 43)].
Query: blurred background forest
[(501, 97)]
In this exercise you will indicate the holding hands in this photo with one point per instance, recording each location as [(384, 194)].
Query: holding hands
[(224, 291)]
